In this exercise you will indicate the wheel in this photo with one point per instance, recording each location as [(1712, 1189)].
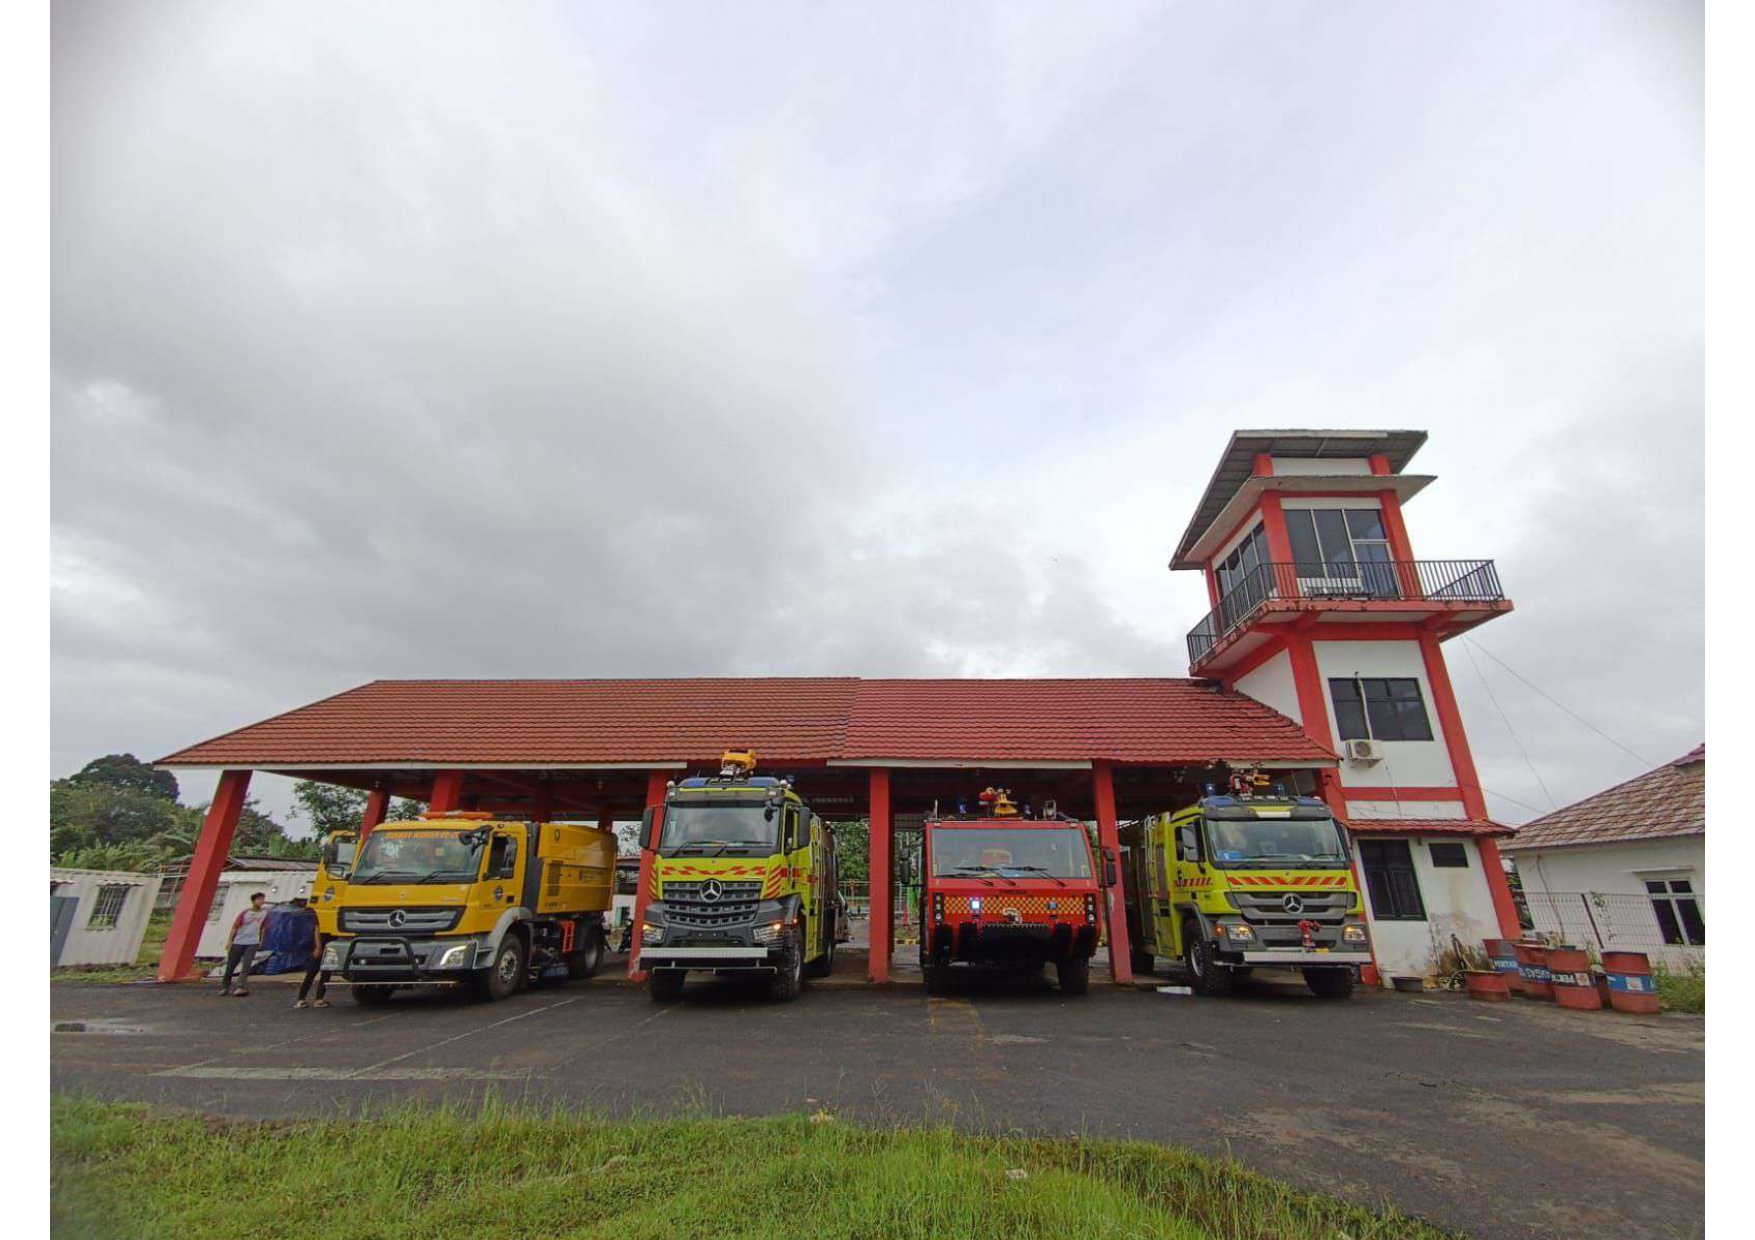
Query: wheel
[(663, 985), (938, 978), (1142, 962), (582, 963), (1329, 983), (371, 996), (1074, 975), (824, 964), (788, 976), (505, 975), (1210, 977)]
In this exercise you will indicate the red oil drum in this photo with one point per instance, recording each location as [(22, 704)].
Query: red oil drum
[(1631, 987), (1532, 966), (1569, 976), (1503, 955)]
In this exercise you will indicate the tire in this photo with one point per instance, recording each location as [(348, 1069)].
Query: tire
[(937, 977), (371, 996), (1142, 962), (1209, 976), (1074, 975), (824, 964), (788, 977), (1329, 983), (663, 985), (583, 963), (506, 975)]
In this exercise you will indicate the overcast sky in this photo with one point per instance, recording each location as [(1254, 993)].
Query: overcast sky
[(432, 340)]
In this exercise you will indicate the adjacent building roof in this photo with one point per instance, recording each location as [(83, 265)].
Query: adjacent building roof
[(1238, 463), (538, 723), (1660, 804)]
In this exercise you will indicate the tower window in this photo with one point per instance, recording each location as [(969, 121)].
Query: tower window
[(1381, 708)]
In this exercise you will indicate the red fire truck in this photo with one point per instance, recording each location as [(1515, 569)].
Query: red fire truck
[(1009, 890)]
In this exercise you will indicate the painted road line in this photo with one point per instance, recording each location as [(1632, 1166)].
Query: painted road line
[(342, 1074), (467, 1033)]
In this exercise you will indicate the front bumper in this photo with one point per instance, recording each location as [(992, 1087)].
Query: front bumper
[(1269, 957), (409, 960), (1002, 942), (717, 948)]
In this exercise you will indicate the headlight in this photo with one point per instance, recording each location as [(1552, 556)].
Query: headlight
[(974, 904), (773, 932), (331, 957), (1239, 932), (1353, 934), (651, 935), (455, 957)]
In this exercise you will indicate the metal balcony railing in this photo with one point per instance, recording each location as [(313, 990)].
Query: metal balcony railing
[(1331, 581)]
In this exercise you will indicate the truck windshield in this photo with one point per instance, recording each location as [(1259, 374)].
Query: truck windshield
[(390, 856), (719, 828), (1010, 852), (1268, 843)]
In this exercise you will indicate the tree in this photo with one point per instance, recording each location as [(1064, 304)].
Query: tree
[(92, 814), (852, 850), (328, 807), (125, 771), (404, 810)]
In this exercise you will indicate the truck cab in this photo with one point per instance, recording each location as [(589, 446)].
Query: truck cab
[(1002, 890), (1235, 883), (743, 882), (467, 899), (334, 865)]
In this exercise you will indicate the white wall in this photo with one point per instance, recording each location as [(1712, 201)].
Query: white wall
[(1273, 685), (118, 944), (1304, 466), (1617, 871), (233, 897), (1405, 764), (1406, 809), (1457, 903)]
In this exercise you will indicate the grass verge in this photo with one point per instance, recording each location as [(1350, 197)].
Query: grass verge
[(124, 1170), (1682, 990)]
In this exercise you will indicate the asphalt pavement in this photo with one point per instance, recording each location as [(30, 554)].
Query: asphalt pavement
[(1504, 1120)]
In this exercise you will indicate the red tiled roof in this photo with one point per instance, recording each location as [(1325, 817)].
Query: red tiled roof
[(1660, 804), (1425, 826), (538, 722)]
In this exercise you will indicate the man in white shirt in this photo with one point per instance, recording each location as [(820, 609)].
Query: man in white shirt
[(241, 944)]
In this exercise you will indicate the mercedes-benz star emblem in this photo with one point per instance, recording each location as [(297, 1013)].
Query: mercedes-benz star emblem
[(1293, 904), (398, 918), (711, 891)]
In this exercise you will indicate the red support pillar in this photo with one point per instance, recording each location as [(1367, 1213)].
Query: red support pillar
[(878, 866), (447, 792), (656, 782), (377, 806), (1499, 887), (211, 851), (1109, 837)]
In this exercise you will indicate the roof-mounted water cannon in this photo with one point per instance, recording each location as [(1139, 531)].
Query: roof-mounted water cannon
[(1249, 782), (998, 802), (737, 763)]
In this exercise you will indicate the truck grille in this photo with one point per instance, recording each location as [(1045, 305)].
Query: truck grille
[(1276, 927), (399, 920), (736, 905)]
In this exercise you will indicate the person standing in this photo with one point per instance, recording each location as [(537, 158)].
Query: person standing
[(242, 942), (314, 972)]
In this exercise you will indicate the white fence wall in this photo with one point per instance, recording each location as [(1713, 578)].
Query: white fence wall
[(104, 941)]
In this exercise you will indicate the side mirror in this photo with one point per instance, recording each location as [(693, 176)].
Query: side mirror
[(335, 863), (648, 834)]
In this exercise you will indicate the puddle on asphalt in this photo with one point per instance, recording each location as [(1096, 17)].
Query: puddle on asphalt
[(94, 1025)]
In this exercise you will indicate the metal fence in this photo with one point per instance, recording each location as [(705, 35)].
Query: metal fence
[(1610, 923), (1329, 581)]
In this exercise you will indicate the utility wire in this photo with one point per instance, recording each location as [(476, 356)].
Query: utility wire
[(1518, 741), (1471, 643)]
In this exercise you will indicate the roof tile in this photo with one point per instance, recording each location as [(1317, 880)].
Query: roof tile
[(1663, 803)]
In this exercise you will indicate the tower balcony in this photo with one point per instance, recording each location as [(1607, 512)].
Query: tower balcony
[(1442, 596)]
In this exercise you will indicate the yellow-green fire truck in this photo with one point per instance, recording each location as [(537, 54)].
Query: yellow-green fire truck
[(743, 881), (1236, 883), (465, 899)]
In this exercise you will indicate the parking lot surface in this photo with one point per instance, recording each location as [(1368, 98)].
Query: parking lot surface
[(1504, 1120)]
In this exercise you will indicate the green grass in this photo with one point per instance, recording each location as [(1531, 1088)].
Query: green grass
[(1682, 990), (144, 968), (121, 1170)]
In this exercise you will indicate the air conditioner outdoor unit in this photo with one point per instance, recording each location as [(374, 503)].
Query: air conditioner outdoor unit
[(1363, 751)]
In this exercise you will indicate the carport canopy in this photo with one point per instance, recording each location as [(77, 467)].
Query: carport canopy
[(1102, 749)]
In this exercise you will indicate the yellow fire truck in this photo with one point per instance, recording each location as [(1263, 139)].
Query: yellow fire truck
[(743, 881), (1236, 883), (465, 898)]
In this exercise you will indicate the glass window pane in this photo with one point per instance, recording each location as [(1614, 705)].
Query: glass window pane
[(1331, 532), (1667, 924), (1681, 885), (1303, 535), (1385, 723), (1349, 712), (1656, 887), (1251, 558), (1692, 921), (1365, 523)]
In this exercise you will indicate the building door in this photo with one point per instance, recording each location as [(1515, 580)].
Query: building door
[(61, 911)]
